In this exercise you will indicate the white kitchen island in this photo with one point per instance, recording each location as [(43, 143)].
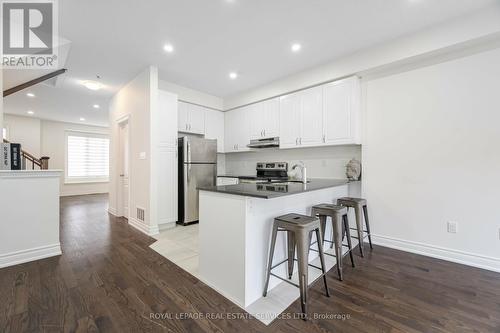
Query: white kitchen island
[(235, 232)]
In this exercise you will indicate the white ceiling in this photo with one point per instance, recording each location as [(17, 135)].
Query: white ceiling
[(118, 38)]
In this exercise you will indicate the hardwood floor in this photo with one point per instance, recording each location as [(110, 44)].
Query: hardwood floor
[(108, 280)]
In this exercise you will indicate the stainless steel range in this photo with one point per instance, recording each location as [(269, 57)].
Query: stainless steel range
[(268, 172)]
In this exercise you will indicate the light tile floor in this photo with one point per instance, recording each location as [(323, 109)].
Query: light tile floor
[(180, 245)]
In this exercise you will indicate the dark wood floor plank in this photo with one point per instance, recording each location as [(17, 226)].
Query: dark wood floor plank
[(109, 280)]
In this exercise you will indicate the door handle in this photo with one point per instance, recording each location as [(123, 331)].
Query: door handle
[(122, 175), (188, 171), (324, 138), (300, 141), (188, 152), (297, 141), (264, 132)]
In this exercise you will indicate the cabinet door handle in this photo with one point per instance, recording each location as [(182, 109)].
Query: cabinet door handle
[(189, 126), (297, 141), (186, 127), (264, 132), (324, 138), (300, 141)]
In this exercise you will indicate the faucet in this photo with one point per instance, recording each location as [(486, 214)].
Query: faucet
[(303, 169)]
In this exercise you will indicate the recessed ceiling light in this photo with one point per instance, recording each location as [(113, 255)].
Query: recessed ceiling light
[(30, 95), (233, 75), (82, 119), (30, 112), (92, 85), (296, 47), (169, 48), (96, 106)]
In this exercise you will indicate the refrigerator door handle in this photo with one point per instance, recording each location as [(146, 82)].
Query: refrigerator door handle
[(188, 157), (188, 171)]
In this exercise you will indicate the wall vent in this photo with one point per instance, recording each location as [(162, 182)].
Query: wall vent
[(140, 213)]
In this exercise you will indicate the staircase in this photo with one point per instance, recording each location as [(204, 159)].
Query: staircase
[(29, 162)]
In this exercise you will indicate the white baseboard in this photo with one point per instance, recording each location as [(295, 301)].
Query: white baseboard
[(113, 211), (37, 253), (166, 225), (469, 259), (147, 229)]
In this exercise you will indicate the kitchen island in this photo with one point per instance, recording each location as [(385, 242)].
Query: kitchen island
[(235, 231)]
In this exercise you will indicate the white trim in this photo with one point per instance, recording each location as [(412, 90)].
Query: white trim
[(113, 211), (147, 229), (469, 259), (37, 253), (166, 225), (30, 173), (69, 181)]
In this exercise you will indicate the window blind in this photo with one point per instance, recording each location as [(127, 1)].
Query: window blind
[(87, 156)]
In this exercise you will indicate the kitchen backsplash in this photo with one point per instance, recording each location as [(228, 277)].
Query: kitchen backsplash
[(321, 162)]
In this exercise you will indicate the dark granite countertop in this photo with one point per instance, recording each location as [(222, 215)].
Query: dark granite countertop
[(275, 190)]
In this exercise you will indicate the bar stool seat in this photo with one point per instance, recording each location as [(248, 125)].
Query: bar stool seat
[(340, 227), (360, 206), (299, 230)]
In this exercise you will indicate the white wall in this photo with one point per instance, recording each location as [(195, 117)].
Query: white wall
[(431, 155), (48, 138), (53, 139), (321, 162), (134, 101), (450, 35), (25, 130)]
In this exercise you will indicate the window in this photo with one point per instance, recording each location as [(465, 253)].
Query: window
[(87, 157)]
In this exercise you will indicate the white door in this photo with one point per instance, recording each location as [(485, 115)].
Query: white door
[(183, 117), (312, 117), (196, 119), (271, 116), (289, 121), (124, 168)]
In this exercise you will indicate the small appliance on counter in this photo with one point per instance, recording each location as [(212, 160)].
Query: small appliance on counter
[(197, 167)]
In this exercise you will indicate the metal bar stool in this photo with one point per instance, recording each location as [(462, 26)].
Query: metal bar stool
[(360, 208), (340, 226), (299, 230)]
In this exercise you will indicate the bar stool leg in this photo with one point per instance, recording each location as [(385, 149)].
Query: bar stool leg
[(291, 252), (338, 246), (319, 235), (365, 210), (359, 225), (345, 219), (322, 220), (271, 255), (303, 244)]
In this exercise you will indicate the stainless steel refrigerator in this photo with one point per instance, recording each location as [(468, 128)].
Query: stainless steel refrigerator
[(197, 167)]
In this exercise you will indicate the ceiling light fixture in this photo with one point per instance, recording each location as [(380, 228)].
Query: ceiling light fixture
[(169, 48), (96, 106), (92, 85), (296, 47), (30, 94), (82, 119), (233, 75), (30, 112)]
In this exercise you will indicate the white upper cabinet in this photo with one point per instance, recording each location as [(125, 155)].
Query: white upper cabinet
[(325, 115), (191, 118), (341, 101), (264, 118), (214, 127), (237, 130), (290, 118), (311, 117)]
